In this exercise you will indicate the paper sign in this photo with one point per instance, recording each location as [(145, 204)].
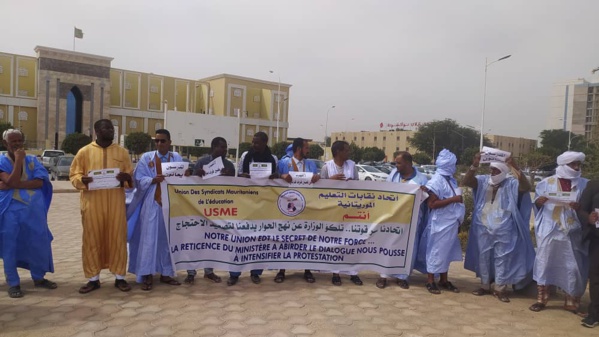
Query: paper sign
[(300, 178), (103, 179), (260, 170), (561, 197), (490, 154), (213, 168), (176, 169)]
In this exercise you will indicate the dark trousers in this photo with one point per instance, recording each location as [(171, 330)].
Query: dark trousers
[(594, 277)]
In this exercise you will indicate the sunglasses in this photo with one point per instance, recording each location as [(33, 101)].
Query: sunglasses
[(160, 141)]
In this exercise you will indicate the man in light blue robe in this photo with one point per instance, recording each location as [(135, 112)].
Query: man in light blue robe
[(25, 196), (148, 245), (297, 163), (562, 255), (405, 173), (499, 245), (440, 236)]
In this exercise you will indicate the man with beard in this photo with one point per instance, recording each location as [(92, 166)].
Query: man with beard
[(25, 195), (297, 163), (499, 246), (405, 173), (218, 148), (103, 212), (258, 153), (343, 169), (562, 255)]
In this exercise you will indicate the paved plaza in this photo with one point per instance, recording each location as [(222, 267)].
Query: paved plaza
[(293, 308)]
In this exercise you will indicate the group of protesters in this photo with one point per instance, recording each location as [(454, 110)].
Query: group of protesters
[(499, 250)]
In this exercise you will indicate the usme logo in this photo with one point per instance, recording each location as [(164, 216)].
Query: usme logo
[(291, 203)]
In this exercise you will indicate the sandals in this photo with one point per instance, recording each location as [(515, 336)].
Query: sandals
[(432, 288), (381, 283), (148, 281), (356, 280), (480, 292), (280, 277), (213, 277), (448, 286), (501, 296), (15, 292), (309, 277), (169, 280), (537, 307), (89, 287), (336, 280), (190, 279), (403, 284), (43, 283), (121, 285)]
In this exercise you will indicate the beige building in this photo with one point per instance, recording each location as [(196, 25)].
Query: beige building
[(388, 141), (392, 141), (516, 145), (59, 92)]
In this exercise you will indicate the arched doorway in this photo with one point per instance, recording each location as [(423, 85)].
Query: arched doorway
[(74, 110)]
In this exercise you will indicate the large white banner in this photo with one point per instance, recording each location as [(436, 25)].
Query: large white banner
[(238, 224)]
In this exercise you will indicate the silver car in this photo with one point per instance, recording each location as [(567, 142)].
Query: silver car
[(60, 167)]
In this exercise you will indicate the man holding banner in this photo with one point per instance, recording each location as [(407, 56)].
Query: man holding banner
[(258, 153), (499, 246), (440, 236), (218, 149), (562, 255), (344, 169), (148, 244), (405, 173), (297, 163)]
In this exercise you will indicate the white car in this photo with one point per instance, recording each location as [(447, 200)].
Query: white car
[(367, 172)]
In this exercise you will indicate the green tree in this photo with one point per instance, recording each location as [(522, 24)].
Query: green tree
[(555, 142), (372, 154), (278, 149), (468, 155), (245, 146), (3, 127), (355, 152), (432, 137), (75, 141), (421, 158), (315, 151), (138, 142)]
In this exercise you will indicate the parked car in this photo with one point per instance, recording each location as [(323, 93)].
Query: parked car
[(367, 172), (60, 167), (47, 156)]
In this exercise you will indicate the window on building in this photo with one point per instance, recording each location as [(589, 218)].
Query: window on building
[(375, 138), (397, 138), (355, 138), (362, 138), (336, 138), (590, 90), (384, 138), (407, 149), (343, 138), (397, 148)]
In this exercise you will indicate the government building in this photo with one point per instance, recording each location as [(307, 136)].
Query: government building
[(59, 92)]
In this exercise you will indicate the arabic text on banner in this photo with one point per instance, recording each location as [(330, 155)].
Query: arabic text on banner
[(239, 224)]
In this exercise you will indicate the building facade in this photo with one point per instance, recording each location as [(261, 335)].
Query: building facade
[(60, 92), (392, 141), (575, 106)]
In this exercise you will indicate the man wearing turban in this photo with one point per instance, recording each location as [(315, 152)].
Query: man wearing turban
[(499, 245), (561, 253), (439, 239)]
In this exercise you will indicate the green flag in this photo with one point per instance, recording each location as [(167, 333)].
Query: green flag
[(78, 33)]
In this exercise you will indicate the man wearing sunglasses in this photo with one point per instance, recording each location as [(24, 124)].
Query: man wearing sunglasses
[(148, 245)]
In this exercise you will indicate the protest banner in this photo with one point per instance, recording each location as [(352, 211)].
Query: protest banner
[(239, 224)]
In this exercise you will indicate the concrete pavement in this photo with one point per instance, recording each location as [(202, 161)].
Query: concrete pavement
[(293, 308)]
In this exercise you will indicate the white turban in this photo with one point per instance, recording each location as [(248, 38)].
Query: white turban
[(446, 163), (570, 157), (500, 166)]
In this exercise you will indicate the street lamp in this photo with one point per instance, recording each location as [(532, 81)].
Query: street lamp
[(278, 103), (326, 131), (482, 118)]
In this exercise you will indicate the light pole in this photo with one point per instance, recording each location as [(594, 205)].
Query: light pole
[(482, 118), (326, 131), (278, 103)]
